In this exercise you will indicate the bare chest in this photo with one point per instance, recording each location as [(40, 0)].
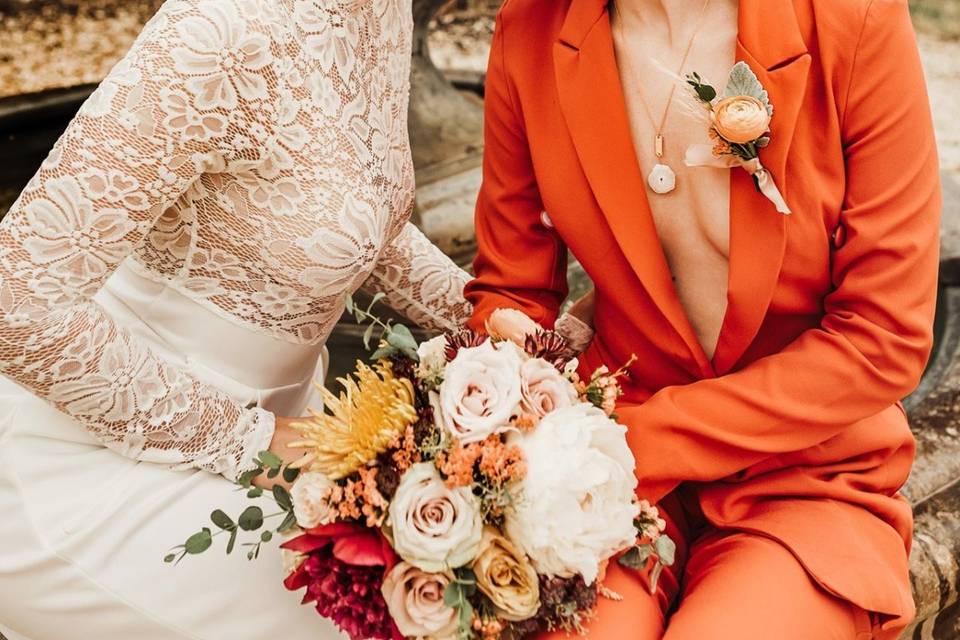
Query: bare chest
[(695, 215)]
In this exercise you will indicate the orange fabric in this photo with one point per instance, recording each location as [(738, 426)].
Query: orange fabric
[(791, 430), (738, 586)]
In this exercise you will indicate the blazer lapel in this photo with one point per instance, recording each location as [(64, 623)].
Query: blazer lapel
[(770, 41), (591, 98)]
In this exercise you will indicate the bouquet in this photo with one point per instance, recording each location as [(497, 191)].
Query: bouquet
[(469, 487)]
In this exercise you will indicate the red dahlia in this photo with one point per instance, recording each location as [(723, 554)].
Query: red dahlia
[(349, 595)]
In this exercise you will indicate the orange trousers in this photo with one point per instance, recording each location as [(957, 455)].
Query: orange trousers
[(724, 586)]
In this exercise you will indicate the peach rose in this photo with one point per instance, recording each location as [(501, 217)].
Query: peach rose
[(740, 119), (544, 389), (415, 601), (512, 325), (481, 391)]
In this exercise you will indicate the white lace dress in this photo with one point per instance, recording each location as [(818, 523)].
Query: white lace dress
[(167, 282)]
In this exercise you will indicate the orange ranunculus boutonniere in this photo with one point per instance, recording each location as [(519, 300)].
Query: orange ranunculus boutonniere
[(739, 126)]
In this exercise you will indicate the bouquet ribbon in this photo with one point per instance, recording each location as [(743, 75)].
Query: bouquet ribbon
[(701, 155)]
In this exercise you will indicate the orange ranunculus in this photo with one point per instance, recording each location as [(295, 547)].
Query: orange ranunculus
[(740, 119)]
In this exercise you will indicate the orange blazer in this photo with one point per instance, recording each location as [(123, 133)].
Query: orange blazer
[(793, 430)]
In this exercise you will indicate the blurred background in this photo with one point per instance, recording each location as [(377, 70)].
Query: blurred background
[(51, 51), (54, 52)]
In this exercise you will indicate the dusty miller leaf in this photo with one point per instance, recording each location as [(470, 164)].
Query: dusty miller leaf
[(744, 82)]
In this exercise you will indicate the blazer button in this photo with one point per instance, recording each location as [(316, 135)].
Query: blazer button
[(839, 236), (545, 219)]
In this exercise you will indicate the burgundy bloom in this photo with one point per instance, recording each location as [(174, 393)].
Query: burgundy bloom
[(343, 575), (550, 346), (463, 339)]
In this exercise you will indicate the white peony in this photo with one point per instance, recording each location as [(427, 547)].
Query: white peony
[(433, 527), (481, 391), (576, 505), (310, 504), (433, 359)]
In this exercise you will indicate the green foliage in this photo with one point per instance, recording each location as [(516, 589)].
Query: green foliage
[(252, 519), (705, 92), (393, 340), (457, 596)]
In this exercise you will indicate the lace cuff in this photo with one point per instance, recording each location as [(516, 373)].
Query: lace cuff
[(575, 331)]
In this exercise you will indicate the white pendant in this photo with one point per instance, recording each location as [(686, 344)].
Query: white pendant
[(662, 179)]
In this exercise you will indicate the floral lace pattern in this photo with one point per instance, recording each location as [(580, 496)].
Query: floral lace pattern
[(253, 154)]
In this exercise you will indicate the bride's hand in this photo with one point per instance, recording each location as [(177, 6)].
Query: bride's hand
[(283, 436)]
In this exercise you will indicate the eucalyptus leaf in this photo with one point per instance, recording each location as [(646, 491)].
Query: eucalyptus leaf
[(199, 542), (282, 496), (255, 492), (384, 353), (376, 298), (288, 523), (636, 558), (170, 557), (233, 541), (270, 459), (251, 519), (762, 142), (266, 536), (400, 337), (705, 92), (348, 303), (368, 336), (290, 474), (246, 478), (744, 82), (465, 614), (222, 520), (451, 595), (666, 550)]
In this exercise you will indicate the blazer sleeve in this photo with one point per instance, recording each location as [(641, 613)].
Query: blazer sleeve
[(875, 336), (521, 263)]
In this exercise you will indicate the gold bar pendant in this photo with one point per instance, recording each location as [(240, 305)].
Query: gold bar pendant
[(659, 146)]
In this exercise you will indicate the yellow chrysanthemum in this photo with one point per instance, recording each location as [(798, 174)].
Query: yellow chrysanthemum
[(374, 408)]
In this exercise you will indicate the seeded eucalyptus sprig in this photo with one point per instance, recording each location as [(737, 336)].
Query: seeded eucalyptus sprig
[(252, 519)]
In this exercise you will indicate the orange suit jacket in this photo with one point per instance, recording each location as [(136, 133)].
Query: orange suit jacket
[(793, 429)]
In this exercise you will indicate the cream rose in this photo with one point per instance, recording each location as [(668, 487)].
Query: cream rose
[(506, 577), (415, 601), (740, 119), (575, 507), (433, 359), (544, 389), (481, 391), (310, 504), (434, 528), (512, 325)]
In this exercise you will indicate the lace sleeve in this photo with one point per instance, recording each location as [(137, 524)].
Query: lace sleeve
[(182, 102), (421, 282)]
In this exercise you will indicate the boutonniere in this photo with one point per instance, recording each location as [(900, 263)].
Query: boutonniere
[(739, 126)]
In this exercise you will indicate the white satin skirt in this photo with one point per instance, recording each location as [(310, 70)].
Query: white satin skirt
[(83, 530)]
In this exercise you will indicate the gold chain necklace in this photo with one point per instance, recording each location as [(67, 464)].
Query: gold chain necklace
[(662, 178)]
